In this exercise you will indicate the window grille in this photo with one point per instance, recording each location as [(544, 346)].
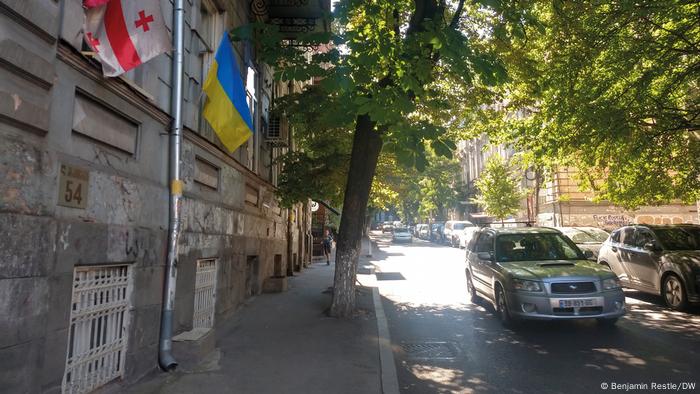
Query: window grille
[(204, 294), (274, 128), (99, 327)]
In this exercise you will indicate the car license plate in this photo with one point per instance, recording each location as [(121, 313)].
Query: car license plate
[(576, 302)]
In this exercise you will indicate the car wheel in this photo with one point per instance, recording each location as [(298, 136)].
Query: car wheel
[(607, 323), (473, 296), (674, 293), (502, 308)]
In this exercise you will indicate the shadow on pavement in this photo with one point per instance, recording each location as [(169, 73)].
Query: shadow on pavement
[(538, 356)]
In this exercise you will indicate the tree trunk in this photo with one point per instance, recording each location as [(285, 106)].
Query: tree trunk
[(367, 143)]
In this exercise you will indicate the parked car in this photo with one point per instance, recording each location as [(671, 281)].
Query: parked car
[(660, 260), (466, 235), (452, 230), (418, 228), (436, 232), (387, 227), (423, 231), (586, 238), (401, 234), (538, 273)]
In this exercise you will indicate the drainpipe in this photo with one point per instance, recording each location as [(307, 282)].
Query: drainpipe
[(165, 357)]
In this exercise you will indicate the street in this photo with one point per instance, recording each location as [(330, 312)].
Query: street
[(443, 343)]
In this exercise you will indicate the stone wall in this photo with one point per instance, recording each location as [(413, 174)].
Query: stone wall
[(609, 217), (56, 109)]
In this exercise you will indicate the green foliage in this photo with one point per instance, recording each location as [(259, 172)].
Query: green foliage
[(612, 88), (417, 195), (499, 194), (413, 79)]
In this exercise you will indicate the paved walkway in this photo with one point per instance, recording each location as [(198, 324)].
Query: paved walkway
[(285, 343)]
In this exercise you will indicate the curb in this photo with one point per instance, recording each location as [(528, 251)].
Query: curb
[(389, 379)]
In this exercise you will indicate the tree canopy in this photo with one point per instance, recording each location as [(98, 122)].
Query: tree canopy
[(499, 192), (611, 88)]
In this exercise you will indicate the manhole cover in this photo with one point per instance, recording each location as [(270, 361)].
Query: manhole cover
[(389, 276), (430, 350)]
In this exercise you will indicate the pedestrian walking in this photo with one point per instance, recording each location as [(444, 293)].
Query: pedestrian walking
[(327, 245)]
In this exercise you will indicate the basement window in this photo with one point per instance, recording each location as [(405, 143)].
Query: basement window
[(99, 327), (205, 294)]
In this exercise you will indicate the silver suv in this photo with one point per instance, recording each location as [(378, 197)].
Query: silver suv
[(538, 273), (661, 260)]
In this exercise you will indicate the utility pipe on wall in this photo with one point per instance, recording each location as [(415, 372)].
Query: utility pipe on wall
[(165, 357)]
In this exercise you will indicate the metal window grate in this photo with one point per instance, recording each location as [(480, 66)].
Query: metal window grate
[(274, 128), (204, 294), (99, 322)]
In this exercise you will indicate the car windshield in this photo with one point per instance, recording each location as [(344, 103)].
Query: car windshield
[(580, 236), (676, 238), (536, 247), (400, 231), (461, 226)]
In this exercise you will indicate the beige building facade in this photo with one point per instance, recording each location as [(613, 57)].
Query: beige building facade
[(84, 196)]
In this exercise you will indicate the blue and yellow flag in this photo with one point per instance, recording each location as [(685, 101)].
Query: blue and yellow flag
[(226, 109)]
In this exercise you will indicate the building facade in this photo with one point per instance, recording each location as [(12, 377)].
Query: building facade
[(84, 200), (561, 202)]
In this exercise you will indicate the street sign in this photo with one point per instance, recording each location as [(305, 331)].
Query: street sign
[(73, 186)]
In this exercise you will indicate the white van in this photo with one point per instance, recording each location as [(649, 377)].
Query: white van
[(453, 228)]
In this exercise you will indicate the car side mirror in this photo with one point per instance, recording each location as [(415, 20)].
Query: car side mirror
[(652, 247), (588, 254), (486, 256)]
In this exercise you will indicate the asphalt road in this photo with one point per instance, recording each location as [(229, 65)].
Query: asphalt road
[(445, 344)]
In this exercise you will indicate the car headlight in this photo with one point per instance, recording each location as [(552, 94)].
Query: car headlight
[(526, 285), (611, 283)]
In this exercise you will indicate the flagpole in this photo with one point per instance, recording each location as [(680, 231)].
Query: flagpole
[(165, 357)]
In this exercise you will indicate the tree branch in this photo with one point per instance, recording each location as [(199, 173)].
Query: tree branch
[(457, 15)]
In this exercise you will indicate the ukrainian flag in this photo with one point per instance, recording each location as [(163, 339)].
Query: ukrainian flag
[(226, 109)]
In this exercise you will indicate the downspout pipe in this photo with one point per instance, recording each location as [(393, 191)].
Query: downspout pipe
[(165, 357)]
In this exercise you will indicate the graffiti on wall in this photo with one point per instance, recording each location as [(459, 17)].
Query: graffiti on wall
[(612, 220)]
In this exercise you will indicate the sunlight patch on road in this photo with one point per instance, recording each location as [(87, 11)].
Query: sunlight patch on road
[(445, 379), (622, 356)]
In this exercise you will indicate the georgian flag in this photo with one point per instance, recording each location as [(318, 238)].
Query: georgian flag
[(126, 33)]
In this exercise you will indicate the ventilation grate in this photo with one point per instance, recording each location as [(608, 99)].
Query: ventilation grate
[(204, 294), (99, 321)]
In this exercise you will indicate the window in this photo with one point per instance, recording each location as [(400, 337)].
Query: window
[(679, 238), (99, 327), (615, 236), (251, 91), (472, 242), (535, 247), (204, 294), (484, 243), (643, 237), (627, 236), (208, 33)]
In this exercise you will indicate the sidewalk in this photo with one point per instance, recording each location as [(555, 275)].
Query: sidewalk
[(285, 343)]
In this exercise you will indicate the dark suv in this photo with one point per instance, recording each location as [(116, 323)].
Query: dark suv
[(661, 260)]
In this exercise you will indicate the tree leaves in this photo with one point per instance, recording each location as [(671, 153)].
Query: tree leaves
[(499, 194), (610, 88)]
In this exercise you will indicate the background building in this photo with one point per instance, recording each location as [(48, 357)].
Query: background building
[(561, 202), (84, 200)]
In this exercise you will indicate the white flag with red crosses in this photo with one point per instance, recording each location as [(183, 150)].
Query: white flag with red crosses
[(126, 33)]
